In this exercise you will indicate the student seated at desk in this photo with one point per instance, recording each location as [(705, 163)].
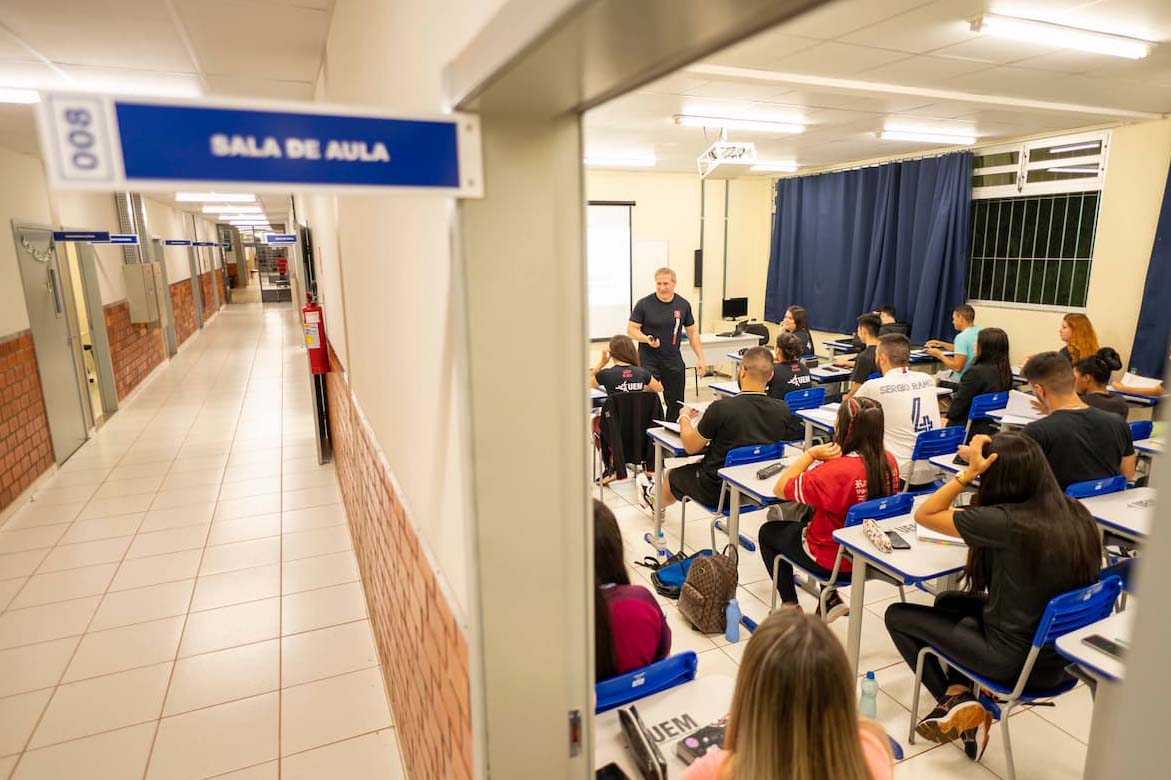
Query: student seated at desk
[(793, 712), (990, 372), (750, 417), (1081, 340), (626, 375), (865, 363), (910, 405), (963, 319), (1091, 375), (1027, 543), (854, 468), (796, 321), (1080, 442), (631, 630), (789, 374), (888, 323)]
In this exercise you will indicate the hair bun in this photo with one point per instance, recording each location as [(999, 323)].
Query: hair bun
[(1109, 358)]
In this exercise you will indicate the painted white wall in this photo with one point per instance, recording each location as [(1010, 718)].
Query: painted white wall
[(23, 197), (166, 221), (394, 262), (95, 211), (319, 212)]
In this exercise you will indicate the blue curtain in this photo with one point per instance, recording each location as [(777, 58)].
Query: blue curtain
[(846, 242), (1152, 338)]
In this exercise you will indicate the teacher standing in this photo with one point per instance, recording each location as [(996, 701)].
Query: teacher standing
[(657, 323)]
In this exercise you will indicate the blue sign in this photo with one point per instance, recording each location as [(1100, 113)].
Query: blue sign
[(280, 238), (77, 235), (176, 242), (204, 243), (103, 142), (123, 238)]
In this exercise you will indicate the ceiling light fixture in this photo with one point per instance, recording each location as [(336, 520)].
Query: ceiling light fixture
[(1073, 169), (731, 123), (227, 209), (774, 167), (214, 197), (1049, 34), (927, 137), (14, 95), (619, 161), (1074, 147)]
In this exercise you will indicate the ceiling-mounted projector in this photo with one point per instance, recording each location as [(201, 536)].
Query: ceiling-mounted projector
[(726, 159)]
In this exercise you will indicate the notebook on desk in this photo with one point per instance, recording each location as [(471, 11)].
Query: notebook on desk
[(1134, 380), (671, 426), (925, 534)]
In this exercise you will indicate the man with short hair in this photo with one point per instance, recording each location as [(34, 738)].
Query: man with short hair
[(910, 405), (889, 322), (963, 318), (750, 417), (864, 362), (657, 323), (1080, 442)]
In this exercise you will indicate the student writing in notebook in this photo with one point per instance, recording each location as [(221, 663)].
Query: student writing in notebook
[(1092, 377), (963, 319), (793, 712), (1027, 542), (865, 362)]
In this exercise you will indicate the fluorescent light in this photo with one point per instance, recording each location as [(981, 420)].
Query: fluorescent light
[(615, 161), (1048, 34), (927, 137), (1072, 170), (14, 95), (214, 197), (224, 209), (1074, 147), (731, 123), (774, 167)]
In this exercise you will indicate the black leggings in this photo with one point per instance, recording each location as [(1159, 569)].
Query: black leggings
[(777, 537), (955, 626)]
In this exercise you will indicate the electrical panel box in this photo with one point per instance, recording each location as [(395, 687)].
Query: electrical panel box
[(142, 290)]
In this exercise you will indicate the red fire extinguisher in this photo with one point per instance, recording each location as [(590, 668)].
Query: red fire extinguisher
[(314, 326)]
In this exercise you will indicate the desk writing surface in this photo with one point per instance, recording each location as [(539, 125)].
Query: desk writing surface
[(823, 416), (1151, 446), (1129, 512), (725, 388), (596, 394), (924, 561), (669, 716), (669, 439), (744, 477), (830, 373), (1120, 625)]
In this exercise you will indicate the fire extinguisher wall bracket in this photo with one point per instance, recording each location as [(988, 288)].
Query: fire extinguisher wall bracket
[(314, 326)]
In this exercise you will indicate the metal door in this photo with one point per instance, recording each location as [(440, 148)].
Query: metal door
[(45, 295), (193, 262), (165, 299)]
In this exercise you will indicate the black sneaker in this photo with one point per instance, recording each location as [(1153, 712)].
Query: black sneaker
[(975, 740), (952, 716), (834, 607)]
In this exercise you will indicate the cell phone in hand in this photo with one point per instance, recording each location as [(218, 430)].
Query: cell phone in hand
[(897, 542), (1107, 646)]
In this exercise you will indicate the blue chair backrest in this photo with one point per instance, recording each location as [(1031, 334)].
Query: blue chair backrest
[(810, 398), (1096, 487), (1141, 429), (1077, 609), (874, 375), (754, 453), (880, 508), (653, 678), (940, 441), (983, 404)]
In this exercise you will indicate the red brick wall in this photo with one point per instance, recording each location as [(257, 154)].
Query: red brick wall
[(206, 295), (219, 284), (232, 277), (183, 310), (26, 451), (423, 650), (135, 349)]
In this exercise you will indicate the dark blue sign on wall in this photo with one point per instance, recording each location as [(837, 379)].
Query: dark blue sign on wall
[(176, 242), (123, 238), (99, 236), (280, 238)]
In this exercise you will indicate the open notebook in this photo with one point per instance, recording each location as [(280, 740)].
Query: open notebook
[(1134, 380), (925, 534)]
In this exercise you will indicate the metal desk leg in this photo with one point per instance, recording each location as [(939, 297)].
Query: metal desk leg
[(734, 519), (808, 435), (658, 508), (1105, 712), (857, 607)]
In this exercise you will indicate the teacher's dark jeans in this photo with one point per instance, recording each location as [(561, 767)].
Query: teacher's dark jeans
[(673, 375)]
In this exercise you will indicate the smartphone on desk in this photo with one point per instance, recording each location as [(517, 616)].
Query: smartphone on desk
[(897, 542)]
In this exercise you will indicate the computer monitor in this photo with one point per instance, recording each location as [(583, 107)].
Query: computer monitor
[(735, 307)]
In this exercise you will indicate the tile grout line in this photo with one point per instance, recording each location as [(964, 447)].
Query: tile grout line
[(280, 647)]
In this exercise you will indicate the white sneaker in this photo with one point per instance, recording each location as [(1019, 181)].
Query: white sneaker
[(646, 491)]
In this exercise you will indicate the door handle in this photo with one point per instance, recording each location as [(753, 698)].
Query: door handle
[(52, 285)]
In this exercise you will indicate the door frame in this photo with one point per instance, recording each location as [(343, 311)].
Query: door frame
[(170, 342), (196, 293), (107, 389)]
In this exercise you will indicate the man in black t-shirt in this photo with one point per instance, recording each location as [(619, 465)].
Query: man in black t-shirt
[(745, 419), (1080, 442), (865, 362), (658, 323)]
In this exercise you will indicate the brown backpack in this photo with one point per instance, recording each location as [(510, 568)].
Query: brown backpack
[(710, 584)]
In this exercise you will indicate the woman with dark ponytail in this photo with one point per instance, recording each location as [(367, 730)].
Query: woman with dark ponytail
[(630, 629), (1092, 375), (854, 468)]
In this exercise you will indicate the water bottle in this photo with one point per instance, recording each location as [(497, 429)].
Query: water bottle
[(661, 545), (868, 706), (732, 615)]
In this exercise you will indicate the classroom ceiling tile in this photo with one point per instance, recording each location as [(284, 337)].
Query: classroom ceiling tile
[(921, 29), (30, 75), (840, 59), (736, 90), (13, 49), (274, 89), (763, 50), (674, 84), (995, 51), (836, 19), (134, 82), (922, 69)]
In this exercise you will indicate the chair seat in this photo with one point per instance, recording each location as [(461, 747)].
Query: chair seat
[(751, 506), (843, 576), (1030, 694)]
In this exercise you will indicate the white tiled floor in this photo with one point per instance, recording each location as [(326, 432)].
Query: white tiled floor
[(1049, 742), (181, 600)]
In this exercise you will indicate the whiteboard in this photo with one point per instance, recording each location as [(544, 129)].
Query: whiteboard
[(608, 248)]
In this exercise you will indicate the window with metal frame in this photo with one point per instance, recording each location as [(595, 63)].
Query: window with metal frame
[(1034, 220)]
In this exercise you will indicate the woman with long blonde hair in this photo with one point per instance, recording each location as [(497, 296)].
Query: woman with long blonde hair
[(1079, 336), (793, 713)]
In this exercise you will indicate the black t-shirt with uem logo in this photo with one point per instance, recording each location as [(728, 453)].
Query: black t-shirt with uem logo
[(623, 379), (664, 321)]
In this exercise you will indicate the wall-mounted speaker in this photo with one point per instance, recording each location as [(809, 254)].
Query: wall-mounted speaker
[(698, 268)]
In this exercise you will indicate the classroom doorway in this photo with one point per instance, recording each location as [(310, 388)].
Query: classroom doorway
[(164, 292), (92, 350)]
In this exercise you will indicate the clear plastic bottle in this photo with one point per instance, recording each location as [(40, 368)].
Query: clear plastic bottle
[(732, 615), (661, 545), (868, 705)]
